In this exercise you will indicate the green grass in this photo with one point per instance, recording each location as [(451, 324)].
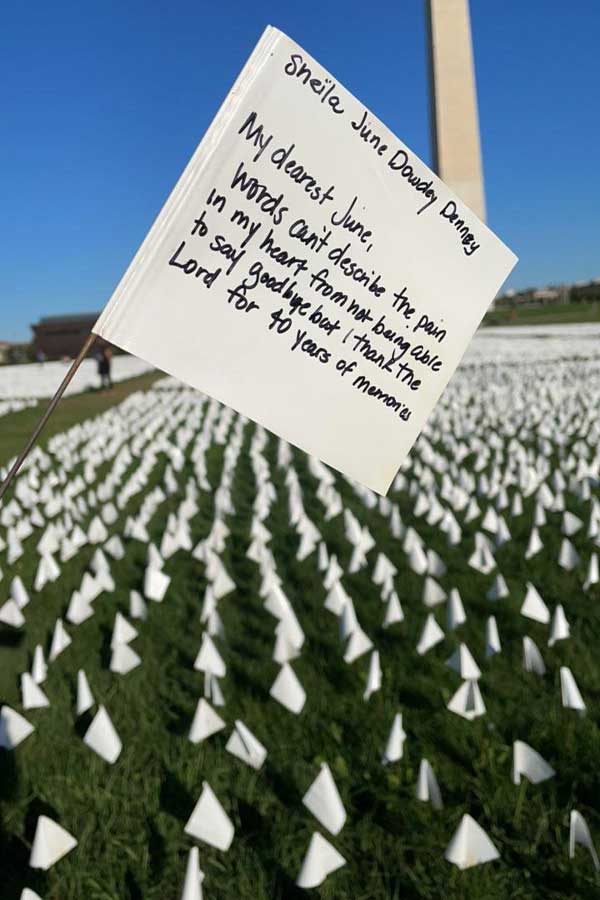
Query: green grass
[(545, 315), (16, 428), (129, 818)]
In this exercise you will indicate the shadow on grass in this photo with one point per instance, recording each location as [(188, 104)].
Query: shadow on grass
[(11, 638), (175, 799)]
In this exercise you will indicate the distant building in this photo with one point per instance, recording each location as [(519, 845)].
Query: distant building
[(544, 296), (583, 291), (586, 291), (11, 352), (57, 337)]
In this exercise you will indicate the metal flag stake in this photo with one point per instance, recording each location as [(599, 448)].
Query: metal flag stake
[(50, 409)]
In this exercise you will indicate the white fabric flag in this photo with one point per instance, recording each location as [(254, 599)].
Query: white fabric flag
[(310, 271)]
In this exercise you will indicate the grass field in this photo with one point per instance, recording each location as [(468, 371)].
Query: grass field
[(129, 818), (16, 428), (545, 315)]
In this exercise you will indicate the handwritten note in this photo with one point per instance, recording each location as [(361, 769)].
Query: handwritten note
[(310, 271)]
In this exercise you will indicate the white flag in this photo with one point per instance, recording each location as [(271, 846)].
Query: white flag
[(310, 271)]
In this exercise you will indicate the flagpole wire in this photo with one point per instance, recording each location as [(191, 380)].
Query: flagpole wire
[(44, 419)]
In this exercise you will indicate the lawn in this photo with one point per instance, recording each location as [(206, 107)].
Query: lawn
[(545, 315), (16, 428), (129, 818)]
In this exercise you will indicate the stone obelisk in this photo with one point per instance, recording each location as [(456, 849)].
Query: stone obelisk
[(453, 101)]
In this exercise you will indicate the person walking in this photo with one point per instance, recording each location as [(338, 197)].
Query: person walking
[(104, 367)]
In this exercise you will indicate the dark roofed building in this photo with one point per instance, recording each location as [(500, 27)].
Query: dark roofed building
[(63, 336)]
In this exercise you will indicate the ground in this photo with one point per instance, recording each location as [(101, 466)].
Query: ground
[(545, 315), (16, 428), (129, 818)]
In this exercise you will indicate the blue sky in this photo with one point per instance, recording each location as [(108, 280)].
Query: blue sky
[(103, 103)]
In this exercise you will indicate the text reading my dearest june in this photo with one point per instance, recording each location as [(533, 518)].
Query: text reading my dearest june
[(310, 275)]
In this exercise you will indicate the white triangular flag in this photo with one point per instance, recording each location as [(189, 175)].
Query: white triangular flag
[(123, 659), (154, 559), (534, 607), (568, 558), (194, 876), (10, 614), (99, 562), (39, 669), (559, 629), (85, 698), (348, 622), (123, 631), (395, 744), (14, 728), (393, 611), (499, 589), (358, 644), (60, 640), (320, 861), (243, 744), (222, 584), (97, 533), (209, 822), (571, 524), (47, 570), (336, 599), (384, 569), (114, 546), (284, 650), (571, 697), (435, 563), (374, 676), (324, 801), (431, 635), (212, 690), (18, 592), (209, 659), (467, 701), (50, 843), (33, 696), (579, 833), (333, 574), (482, 559), (492, 638), (205, 723), (428, 789), (470, 845), (463, 663), (288, 691), (90, 588), (105, 580), (593, 574), (417, 559), (155, 584), (137, 606), (532, 658), (528, 762), (102, 737), (79, 609), (535, 544), (455, 611), (433, 593)]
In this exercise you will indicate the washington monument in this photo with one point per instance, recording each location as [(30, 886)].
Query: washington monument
[(453, 101)]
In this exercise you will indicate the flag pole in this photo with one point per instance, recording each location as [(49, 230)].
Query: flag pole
[(42, 422)]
